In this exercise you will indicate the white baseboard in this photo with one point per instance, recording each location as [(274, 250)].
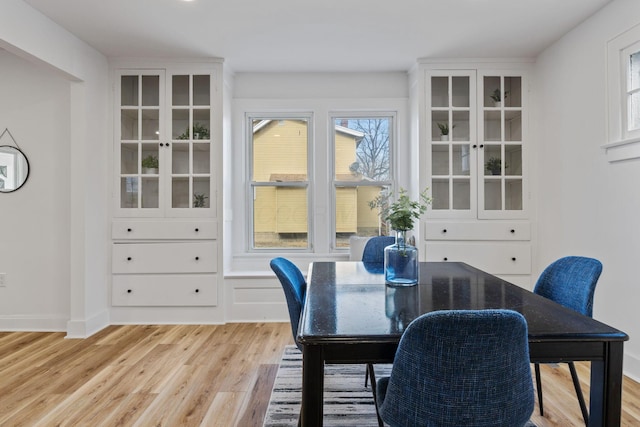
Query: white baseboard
[(631, 367), (87, 327)]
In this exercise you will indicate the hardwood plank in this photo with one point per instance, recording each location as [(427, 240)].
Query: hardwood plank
[(187, 375)]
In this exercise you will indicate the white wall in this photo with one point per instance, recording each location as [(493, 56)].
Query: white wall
[(79, 262), (34, 221), (586, 205)]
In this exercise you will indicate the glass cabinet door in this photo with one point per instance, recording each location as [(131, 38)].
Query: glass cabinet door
[(191, 175), (140, 119), (451, 101), (501, 156)]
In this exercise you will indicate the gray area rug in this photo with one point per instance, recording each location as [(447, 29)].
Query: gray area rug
[(346, 400)]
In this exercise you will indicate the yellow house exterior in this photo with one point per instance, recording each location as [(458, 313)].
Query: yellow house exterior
[(280, 155)]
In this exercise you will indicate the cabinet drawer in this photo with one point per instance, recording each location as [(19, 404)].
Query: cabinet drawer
[(164, 290), (478, 231), (179, 257), (163, 230), (494, 258)]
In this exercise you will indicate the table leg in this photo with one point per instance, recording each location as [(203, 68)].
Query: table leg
[(606, 387), (312, 386)]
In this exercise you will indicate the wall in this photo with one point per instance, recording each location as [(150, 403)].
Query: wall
[(79, 268), (34, 225), (588, 206)]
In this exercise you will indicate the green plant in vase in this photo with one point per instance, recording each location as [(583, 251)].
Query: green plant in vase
[(150, 164), (401, 213), (494, 165), (199, 200), (497, 96), (401, 259), (199, 132), (444, 129)]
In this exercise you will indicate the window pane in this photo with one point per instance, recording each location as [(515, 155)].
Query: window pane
[(355, 216), (279, 150), (634, 71), (280, 217), (279, 155), (362, 149)]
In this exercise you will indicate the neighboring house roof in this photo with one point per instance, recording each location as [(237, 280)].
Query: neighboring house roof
[(287, 177), (297, 177)]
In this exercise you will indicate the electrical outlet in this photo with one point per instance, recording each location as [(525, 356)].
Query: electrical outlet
[(3, 279)]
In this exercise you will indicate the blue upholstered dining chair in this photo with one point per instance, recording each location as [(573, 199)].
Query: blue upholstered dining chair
[(458, 368), (571, 282), (374, 249), (295, 288)]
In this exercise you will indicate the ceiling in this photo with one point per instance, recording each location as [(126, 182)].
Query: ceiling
[(319, 35)]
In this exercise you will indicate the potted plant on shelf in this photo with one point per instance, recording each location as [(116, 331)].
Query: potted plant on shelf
[(199, 132), (494, 165), (401, 258), (444, 131), (497, 97), (199, 200), (150, 164)]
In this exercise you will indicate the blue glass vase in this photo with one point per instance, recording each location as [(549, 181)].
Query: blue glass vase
[(401, 262)]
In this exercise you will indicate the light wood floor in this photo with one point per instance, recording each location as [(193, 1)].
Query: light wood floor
[(184, 376)]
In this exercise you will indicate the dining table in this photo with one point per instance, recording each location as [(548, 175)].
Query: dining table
[(351, 315)]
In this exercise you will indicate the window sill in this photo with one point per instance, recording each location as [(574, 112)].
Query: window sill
[(622, 150)]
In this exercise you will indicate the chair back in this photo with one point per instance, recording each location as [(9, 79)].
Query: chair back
[(460, 368), (374, 249), (571, 281), (295, 288)]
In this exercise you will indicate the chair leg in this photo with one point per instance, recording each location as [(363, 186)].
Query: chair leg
[(576, 384), (539, 387), (366, 376), (372, 374)]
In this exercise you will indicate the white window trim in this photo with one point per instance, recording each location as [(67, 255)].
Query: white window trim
[(308, 185), (622, 144), (242, 263)]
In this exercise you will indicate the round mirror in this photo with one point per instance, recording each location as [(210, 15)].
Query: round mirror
[(14, 168)]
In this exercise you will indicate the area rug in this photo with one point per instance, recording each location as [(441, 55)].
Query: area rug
[(347, 402)]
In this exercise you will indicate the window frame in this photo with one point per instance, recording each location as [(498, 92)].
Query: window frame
[(622, 143), (252, 184), (391, 183)]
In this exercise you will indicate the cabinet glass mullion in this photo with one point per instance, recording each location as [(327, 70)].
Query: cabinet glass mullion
[(502, 154), (190, 184)]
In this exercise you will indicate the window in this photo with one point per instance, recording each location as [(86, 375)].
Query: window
[(279, 185), (361, 170), (623, 86)]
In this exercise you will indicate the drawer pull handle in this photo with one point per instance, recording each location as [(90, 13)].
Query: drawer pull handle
[(513, 259), (129, 258), (513, 231), (129, 291), (446, 259), (197, 258), (444, 231), (197, 229), (197, 290), (129, 230)]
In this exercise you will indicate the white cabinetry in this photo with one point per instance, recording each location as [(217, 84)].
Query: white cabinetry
[(474, 158), (166, 230)]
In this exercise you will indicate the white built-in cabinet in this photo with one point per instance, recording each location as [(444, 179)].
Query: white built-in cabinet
[(166, 228), (474, 158)]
